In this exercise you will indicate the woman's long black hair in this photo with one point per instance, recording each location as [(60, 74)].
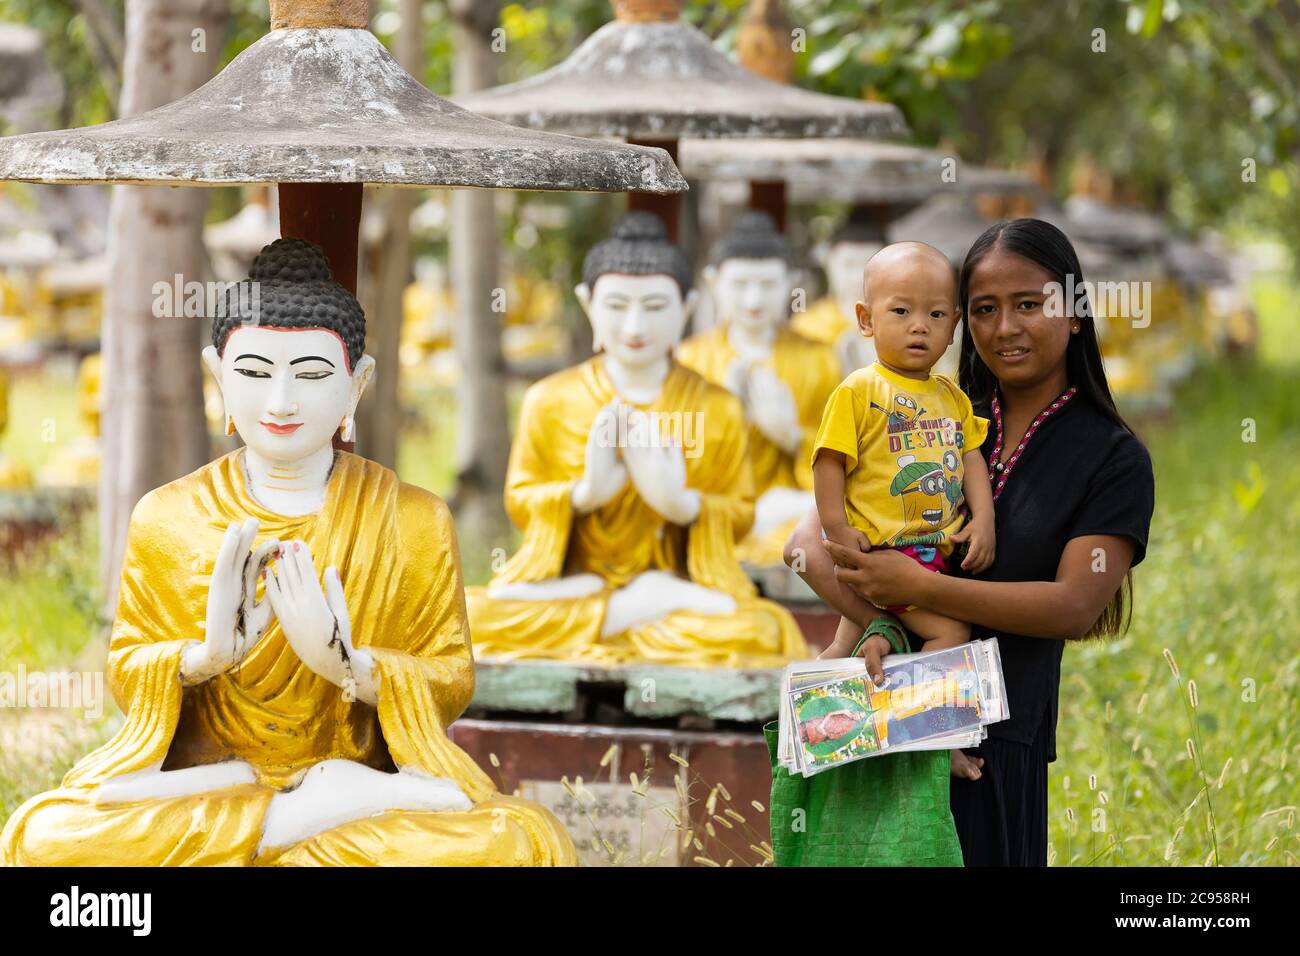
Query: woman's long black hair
[(1046, 246)]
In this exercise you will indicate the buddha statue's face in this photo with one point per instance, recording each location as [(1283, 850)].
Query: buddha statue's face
[(288, 390), (752, 294), (844, 267), (636, 319)]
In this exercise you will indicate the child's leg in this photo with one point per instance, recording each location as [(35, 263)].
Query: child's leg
[(808, 557), (938, 631), (846, 638)]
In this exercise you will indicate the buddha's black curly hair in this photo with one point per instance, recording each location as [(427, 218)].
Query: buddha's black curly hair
[(639, 246), (752, 236), (294, 290)]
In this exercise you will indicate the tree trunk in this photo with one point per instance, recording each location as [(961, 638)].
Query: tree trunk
[(482, 427), (387, 271), (154, 426)]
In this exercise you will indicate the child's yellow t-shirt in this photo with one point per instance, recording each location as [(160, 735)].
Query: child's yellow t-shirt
[(903, 442)]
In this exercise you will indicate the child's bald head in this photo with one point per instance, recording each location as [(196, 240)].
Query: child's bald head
[(906, 264), (909, 305)]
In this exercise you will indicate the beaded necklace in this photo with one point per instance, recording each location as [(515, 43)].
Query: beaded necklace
[(1002, 470)]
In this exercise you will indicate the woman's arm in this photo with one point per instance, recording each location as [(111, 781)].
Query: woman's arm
[(808, 558), (1091, 570)]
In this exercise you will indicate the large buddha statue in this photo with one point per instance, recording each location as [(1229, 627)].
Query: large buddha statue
[(630, 481), (832, 320), (290, 712), (781, 378)]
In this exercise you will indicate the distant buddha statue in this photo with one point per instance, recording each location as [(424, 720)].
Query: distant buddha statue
[(781, 378), (76, 464), (832, 320), (14, 475), (293, 712), (630, 481)]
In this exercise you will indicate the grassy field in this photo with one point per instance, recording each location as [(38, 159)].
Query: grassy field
[(1177, 743)]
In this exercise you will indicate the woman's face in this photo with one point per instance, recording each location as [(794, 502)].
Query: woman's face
[(287, 390), (1021, 345)]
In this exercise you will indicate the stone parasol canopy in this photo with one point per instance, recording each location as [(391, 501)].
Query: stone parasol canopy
[(319, 104), (648, 77), (1094, 220), (326, 105), (843, 170), (658, 78)]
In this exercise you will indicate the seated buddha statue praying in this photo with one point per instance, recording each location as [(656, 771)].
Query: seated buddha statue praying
[(781, 378), (290, 641), (630, 481)]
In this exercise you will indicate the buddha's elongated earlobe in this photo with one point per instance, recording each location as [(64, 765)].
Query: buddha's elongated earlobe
[(349, 428), (230, 424)]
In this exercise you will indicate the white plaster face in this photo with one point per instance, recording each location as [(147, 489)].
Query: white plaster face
[(844, 267), (753, 294), (636, 319), (288, 390)]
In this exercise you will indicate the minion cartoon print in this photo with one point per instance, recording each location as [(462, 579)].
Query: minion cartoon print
[(902, 414), (922, 487)]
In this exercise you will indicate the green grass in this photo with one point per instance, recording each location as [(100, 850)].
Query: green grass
[(42, 415), (1219, 592)]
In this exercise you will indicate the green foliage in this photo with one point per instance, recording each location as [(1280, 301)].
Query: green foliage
[(68, 49)]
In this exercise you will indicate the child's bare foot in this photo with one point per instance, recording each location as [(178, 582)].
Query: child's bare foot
[(967, 768)]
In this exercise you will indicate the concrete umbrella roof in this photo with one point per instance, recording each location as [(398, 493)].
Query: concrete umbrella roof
[(1095, 221), (950, 223), (647, 81), (327, 106), (845, 170)]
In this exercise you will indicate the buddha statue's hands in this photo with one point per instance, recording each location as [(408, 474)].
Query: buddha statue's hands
[(235, 621), (603, 474), (658, 471), (736, 380), (770, 406), (316, 623)]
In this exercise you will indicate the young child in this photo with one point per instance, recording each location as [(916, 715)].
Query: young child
[(898, 447)]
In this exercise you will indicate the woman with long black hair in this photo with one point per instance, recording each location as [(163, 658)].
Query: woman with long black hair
[(1073, 498)]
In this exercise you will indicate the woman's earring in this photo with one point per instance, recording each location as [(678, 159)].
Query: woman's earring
[(230, 424), (348, 429)]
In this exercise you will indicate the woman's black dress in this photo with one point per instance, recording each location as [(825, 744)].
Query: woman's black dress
[(1080, 474)]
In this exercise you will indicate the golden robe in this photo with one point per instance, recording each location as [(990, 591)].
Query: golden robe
[(811, 371), (395, 548), (625, 537), (823, 322)]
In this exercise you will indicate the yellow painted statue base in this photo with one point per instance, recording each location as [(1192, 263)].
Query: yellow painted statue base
[(395, 548)]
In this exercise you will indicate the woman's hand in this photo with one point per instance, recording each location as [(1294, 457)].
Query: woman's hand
[(316, 624), (883, 577)]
